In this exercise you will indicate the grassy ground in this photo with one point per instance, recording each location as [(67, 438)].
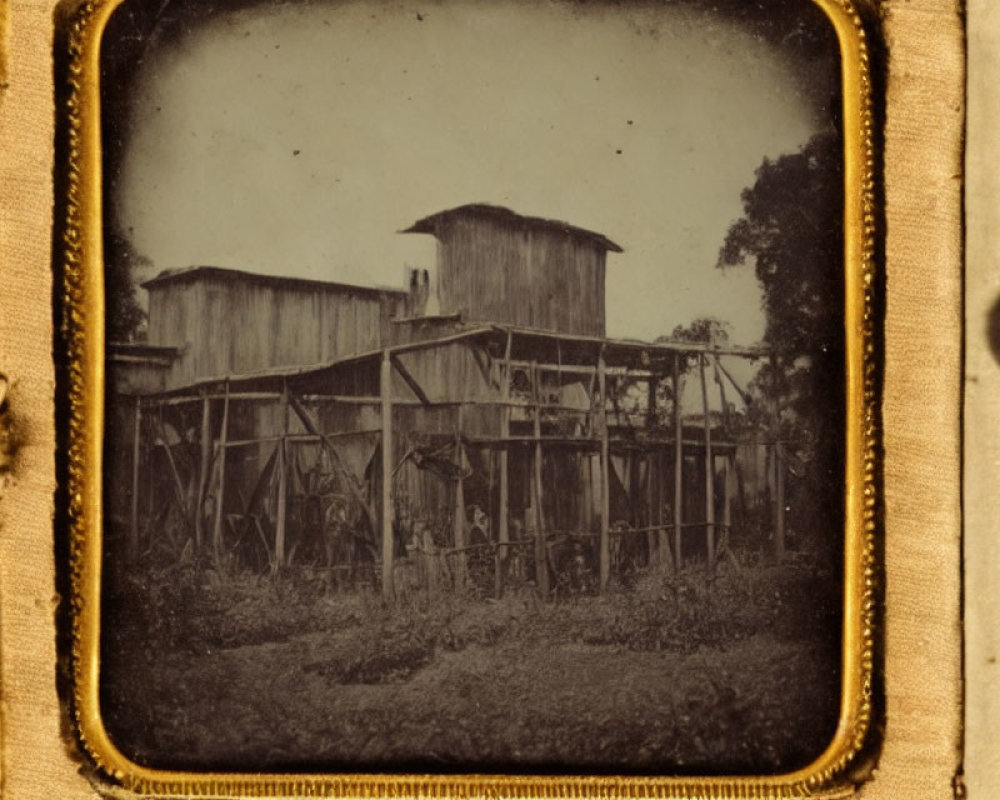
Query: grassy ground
[(662, 676)]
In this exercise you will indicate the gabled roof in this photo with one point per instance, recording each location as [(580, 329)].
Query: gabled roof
[(430, 224), (277, 281)]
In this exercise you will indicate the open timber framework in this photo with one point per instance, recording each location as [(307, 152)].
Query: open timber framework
[(472, 431)]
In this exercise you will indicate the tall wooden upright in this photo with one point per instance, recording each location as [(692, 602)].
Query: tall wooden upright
[(221, 493), (541, 552), (709, 476), (602, 418), (136, 456), (503, 525), (280, 530), (460, 566), (678, 463), (203, 467), (779, 466), (385, 395)]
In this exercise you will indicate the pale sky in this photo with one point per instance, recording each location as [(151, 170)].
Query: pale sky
[(298, 140)]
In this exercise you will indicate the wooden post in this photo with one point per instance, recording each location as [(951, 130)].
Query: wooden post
[(678, 464), (279, 533), (206, 454), (503, 524), (458, 521), (605, 560), (659, 539), (709, 477), (220, 497), (178, 485), (727, 514), (541, 554), (385, 393), (136, 456), (779, 468), (722, 392)]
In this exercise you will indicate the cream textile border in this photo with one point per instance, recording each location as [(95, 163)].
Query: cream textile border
[(921, 487), (982, 422)]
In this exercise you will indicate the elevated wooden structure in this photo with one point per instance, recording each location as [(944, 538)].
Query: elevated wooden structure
[(461, 455)]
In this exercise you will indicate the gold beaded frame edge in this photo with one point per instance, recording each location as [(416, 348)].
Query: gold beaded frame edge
[(80, 252)]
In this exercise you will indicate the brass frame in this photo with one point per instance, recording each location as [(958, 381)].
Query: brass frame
[(833, 774)]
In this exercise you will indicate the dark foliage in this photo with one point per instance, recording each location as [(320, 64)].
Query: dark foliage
[(705, 330), (792, 233), (124, 315)]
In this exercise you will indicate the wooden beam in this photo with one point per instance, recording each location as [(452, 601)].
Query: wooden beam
[(503, 526), (541, 555), (136, 456), (722, 394), (279, 531), (709, 477), (221, 495), (662, 545), (727, 514), (175, 475), (385, 394), (415, 387), (779, 465), (744, 396), (584, 369), (458, 515), (336, 462), (602, 422), (622, 345), (203, 465), (678, 465)]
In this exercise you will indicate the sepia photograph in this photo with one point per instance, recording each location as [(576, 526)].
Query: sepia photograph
[(476, 386)]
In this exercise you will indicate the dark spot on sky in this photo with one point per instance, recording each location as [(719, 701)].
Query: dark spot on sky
[(296, 152), (619, 152), (597, 77), (277, 47), (420, 17), (629, 121)]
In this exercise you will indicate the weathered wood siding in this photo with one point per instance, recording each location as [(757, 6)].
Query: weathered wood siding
[(493, 270), (232, 326)]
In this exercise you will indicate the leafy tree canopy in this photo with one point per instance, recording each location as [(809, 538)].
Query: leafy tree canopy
[(706, 330), (124, 315), (792, 234)]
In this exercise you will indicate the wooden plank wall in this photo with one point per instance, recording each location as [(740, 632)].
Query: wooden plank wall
[(495, 271), (231, 326)]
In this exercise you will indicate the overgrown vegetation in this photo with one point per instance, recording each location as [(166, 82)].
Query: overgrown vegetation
[(664, 674)]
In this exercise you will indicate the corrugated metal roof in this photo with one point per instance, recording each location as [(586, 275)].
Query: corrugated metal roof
[(430, 224), (278, 281)]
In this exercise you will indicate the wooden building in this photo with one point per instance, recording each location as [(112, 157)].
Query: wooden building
[(228, 322), (498, 266), (490, 441)]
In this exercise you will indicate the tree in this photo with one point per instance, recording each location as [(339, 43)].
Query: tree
[(124, 316), (792, 233), (706, 330)]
